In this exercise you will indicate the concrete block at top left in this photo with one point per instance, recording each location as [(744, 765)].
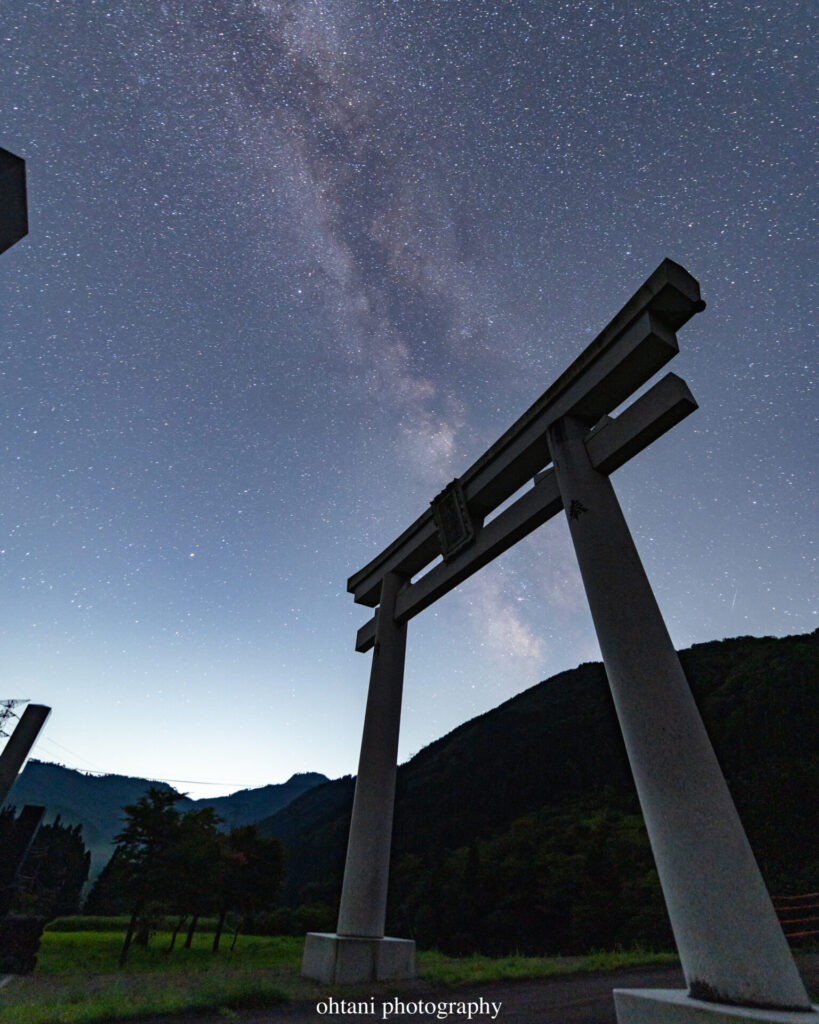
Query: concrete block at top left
[(349, 960)]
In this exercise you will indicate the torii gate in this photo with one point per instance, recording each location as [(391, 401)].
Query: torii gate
[(732, 949)]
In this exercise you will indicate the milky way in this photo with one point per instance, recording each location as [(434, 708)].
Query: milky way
[(292, 266)]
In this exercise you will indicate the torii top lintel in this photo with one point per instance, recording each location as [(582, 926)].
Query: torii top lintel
[(629, 350)]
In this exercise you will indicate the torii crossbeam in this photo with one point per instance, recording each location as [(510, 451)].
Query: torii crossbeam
[(732, 949)]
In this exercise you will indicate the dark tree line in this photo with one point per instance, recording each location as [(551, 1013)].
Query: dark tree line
[(42, 871), (182, 864), (50, 878), (557, 883)]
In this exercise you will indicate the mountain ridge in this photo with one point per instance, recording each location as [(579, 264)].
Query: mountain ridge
[(490, 817), (549, 766), (96, 801)]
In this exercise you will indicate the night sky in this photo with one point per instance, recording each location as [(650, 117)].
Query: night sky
[(292, 266)]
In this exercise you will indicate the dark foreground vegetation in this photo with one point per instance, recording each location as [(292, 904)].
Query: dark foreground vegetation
[(168, 862), (50, 878), (77, 980)]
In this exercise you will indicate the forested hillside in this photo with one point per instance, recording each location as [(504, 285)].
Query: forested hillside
[(96, 801), (521, 829)]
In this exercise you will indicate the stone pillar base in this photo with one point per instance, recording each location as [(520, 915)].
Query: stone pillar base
[(347, 960), (673, 1006)]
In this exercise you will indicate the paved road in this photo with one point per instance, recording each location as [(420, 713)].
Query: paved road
[(573, 999)]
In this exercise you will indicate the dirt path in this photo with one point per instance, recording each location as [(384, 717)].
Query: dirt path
[(571, 999)]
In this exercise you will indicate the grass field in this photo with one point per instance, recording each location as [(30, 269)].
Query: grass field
[(77, 980)]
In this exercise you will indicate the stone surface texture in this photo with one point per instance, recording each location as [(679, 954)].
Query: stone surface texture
[(728, 936), (366, 872)]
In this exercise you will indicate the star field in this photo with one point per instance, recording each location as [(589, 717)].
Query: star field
[(292, 266)]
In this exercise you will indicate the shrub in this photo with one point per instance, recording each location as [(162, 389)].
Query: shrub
[(312, 917), (19, 943)]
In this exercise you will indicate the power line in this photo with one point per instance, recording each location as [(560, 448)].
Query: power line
[(6, 711), (73, 753), (101, 771), (187, 782)]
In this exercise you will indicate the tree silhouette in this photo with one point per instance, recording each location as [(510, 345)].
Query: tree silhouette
[(54, 872), (253, 867), (195, 866), (146, 859), (165, 861)]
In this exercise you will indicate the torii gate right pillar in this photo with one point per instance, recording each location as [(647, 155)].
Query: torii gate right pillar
[(731, 945)]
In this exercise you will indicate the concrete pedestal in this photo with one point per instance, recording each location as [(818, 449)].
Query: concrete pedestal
[(343, 960), (673, 1006)]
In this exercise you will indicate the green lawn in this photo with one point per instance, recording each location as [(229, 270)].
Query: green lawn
[(438, 968), (77, 980)]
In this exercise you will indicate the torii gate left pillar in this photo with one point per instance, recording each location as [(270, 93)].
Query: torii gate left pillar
[(359, 951)]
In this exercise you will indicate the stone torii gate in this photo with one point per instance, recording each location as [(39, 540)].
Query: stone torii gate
[(732, 949)]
